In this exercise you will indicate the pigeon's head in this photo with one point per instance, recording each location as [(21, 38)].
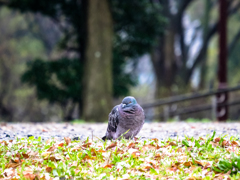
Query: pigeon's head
[(128, 101)]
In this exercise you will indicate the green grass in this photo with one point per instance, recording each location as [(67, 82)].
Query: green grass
[(188, 158)]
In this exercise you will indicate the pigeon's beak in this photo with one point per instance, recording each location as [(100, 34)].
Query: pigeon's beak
[(123, 105)]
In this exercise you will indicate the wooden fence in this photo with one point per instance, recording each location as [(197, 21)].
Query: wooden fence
[(168, 102)]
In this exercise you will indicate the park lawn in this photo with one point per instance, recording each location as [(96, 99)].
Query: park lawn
[(188, 158)]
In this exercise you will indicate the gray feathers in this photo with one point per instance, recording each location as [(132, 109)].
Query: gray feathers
[(126, 117)]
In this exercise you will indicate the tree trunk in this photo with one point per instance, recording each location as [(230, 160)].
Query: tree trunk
[(97, 97), (205, 32)]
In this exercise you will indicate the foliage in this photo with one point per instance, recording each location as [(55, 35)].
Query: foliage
[(59, 81), (22, 39), (191, 158), (56, 81)]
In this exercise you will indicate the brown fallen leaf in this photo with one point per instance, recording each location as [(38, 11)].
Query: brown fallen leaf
[(86, 145), (67, 140), (147, 167), (131, 145), (225, 143), (217, 139), (25, 155), (192, 167), (188, 163), (180, 150), (234, 143), (112, 145), (101, 151), (157, 156), (51, 149), (214, 144), (88, 157), (148, 147), (173, 144), (61, 144), (174, 169), (49, 169), (108, 166), (30, 176), (15, 160), (18, 155), (208, 165), (4, 142), (202, 163), (13, 165)]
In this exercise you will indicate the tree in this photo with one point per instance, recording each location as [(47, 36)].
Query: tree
[(97, 101), (171, 65)]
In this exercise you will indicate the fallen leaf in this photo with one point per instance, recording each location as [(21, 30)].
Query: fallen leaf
[(108, 166), (148, 147), (173, 144), (12, 165), (15, 160), (49, 169), (234, 143), (180, 150), (112, 145), (174, 169), (52, 148), (188, 163), (214, 144), (225, 143), (4, 142), (46, 154), (25, 155), (208, 165), (157, 156), (86, 145), (217, 139), (61, 144), (192, 167), (30, 176), (67, 140), (131, 145), (202, 163)]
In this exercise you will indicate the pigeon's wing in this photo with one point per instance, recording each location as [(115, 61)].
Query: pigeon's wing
[(113, 120)]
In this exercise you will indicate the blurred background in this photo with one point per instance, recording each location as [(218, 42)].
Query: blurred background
[(62, 60)]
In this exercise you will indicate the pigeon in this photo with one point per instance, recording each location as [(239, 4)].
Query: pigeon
[(125, 120)]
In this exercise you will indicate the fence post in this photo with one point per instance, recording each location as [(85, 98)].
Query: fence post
[(222, 114), (214, 108), (166, 113)]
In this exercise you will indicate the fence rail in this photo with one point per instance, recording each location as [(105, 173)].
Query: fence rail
[(167, 102)]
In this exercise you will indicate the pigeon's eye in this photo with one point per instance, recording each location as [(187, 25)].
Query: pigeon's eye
[(129, 102)]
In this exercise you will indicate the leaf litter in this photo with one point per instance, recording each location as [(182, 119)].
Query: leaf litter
[(190, 158)]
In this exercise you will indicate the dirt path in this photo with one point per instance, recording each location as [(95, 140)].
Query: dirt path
[(82, 131)]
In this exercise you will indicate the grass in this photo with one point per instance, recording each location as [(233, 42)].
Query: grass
[(189, 158)]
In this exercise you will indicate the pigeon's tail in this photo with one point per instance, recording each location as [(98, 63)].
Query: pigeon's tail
[(104, 138)]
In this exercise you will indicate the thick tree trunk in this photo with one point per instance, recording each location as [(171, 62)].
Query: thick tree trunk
[(97, 97)]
